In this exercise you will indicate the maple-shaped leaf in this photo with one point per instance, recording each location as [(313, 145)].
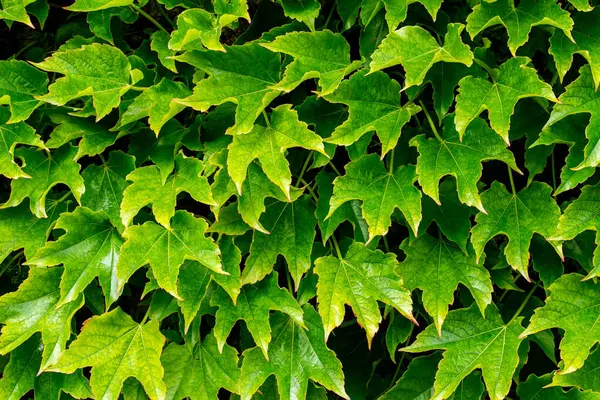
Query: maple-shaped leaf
[(418, 51), (305, 11), (21, 375), (448, 155), (472, 341), (512, 81), (296, 356), (381, 192), (95, 5), (395, 10), (563, 48), (14, 10), (518, 216), (45, 172), (537, 388), (200, 371), (166, 249), (243, 75), (231, 10), (419, 378), (569, 131), (94, 137), (253, 306), (157, 104), (89, 249), (518, 20), (581, 97), (292, 233), (100, 22), (268, 144), (579, 318), (34, 307), (581, 215), (12, 135), (194, 280), (324, 55), (584, 378), (196, 28), (360, 279), (19, 84), (374, 102), (437, 267), (147, 187), (98, 70), (229, 221), (117, 347), (105, 184)]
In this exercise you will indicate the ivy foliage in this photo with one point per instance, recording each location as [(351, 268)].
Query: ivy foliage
[(299, 199)]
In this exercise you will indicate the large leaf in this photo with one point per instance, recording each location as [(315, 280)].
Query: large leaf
[(19, 84)]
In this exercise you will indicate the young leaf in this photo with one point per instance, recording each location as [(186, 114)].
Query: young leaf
[(473, 342), (89, 249), (166, 249), (243, 75), (253, 306), (323, 55), (20, 83), (374, 102), (418, 51), (448, 155), (360, 279), (148, 187), (268, 144), (518, 20), (512, 81), (95, 5), (35, 307), (12, 135), (196, 25), (116, 347), (577, 318), (518, 216), (437, 267), (96, 70), (296, 355), (45, 172), (381, 192)]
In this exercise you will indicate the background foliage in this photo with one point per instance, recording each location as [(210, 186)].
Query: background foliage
[(360, 199)]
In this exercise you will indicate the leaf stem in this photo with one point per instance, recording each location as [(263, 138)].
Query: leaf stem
[(524, 303), (305, 166), (148, 17), (137, 88), (334, 168), (64, 197), (337, 248), (312, 192), (266, 117), (512, 182), (553, 172), (391, 162), (330, 15), (24, 49), (486, 67), (164, 15), (431, 124)]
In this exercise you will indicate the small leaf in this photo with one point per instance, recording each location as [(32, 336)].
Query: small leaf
[(305, 11), (196, 25)]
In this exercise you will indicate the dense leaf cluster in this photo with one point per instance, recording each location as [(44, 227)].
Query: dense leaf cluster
[(299, 199)]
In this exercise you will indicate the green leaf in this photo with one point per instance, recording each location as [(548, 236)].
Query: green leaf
[(96, 70), (14, 10), (473, 342), (45, 172), (512, 81), (160, 45), (577, 318), (196, 25), (89, 249), (292, 233), (580, 216), (374, 102), (198, 372), (253, 306), (416, 50), (35, 307), (157, 103), (437, 267), (231, 10), (536, 388), (105, 184), (360, 279), (100, 21), (381, 192), (268, 144), (584, 378), (323, 55), (95, 5), (166, 249), (229, 222), (13, 135), (396, 10), (518, 216), (305, 11), (581, 97), (296, 355), (449, 155), (148, 188), (20, 83), (518, 20), (243, 75), (116, 347)]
